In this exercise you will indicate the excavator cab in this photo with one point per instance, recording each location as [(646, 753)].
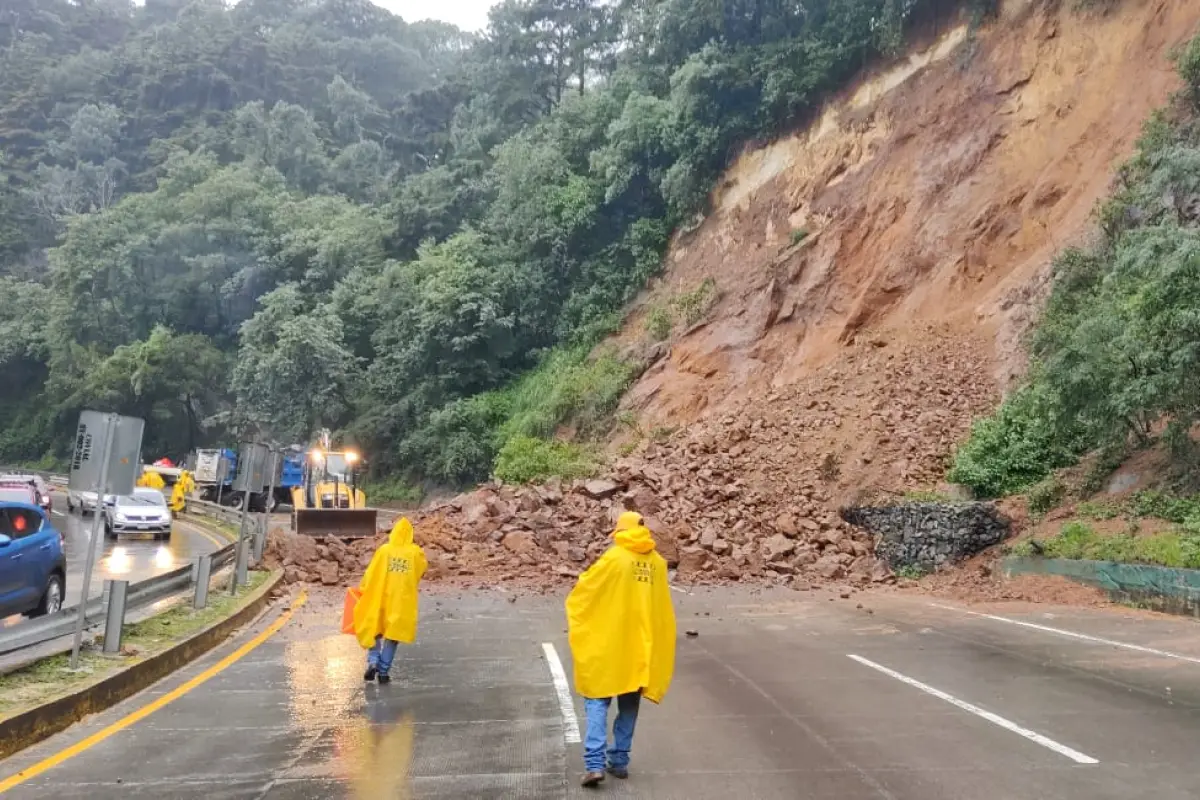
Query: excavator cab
[(328, 502)]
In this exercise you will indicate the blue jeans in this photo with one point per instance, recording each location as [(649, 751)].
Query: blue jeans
[(381, 654), (596, 739)]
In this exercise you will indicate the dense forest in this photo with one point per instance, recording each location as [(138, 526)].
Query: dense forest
[(1115, 357), (265, 218)]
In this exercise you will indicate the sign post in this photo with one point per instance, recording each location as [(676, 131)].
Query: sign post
[(250, 478), (260, 540), (106, 460)]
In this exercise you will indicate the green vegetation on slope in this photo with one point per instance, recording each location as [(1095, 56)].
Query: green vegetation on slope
[(1117, 350), (277, 215), (1077, 540)]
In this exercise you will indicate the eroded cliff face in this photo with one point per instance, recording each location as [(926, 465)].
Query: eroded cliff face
[(874, 274), (933, 197)]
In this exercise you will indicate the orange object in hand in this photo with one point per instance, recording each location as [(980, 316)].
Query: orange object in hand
[(352, 596)]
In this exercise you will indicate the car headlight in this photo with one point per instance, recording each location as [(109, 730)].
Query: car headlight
[(119, 517)]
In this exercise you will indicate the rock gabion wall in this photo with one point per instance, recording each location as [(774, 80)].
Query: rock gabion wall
[(930, 535)]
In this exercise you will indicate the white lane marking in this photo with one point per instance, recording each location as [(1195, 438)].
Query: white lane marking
[(565, 704), (57, 513), (995, 719), (1072, 634), (678, 589)]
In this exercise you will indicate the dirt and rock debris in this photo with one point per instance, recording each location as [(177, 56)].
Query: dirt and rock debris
[(750, 496)]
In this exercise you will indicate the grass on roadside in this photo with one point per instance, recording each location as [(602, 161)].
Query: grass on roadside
[(1179, 548), (52, 677)]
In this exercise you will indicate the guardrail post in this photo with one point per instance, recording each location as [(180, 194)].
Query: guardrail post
[(260, 537), (242, 565), (117, 591), (239, 554), (203, 574)]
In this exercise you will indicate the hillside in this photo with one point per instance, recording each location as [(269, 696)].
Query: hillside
[(261, 219), (859, 297), (932, 203)]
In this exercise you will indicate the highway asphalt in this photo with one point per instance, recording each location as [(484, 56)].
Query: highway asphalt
[(780, 695), (129, 558)]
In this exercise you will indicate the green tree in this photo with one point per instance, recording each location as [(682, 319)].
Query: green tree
[(293, 371)]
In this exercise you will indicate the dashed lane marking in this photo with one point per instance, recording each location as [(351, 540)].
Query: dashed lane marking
[(1073, 635), (995, 719), (563, 690)]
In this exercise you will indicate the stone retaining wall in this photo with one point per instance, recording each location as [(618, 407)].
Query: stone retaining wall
[(930, 535)]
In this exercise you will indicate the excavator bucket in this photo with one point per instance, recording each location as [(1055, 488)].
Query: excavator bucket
[(344, 522)]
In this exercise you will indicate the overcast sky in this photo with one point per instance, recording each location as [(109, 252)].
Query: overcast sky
[(470, 15)]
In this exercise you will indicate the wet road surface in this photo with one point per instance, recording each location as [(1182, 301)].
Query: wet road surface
[(781, 695), (130, 558)]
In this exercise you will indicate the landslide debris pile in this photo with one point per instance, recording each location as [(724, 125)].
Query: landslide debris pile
[(748, 496)]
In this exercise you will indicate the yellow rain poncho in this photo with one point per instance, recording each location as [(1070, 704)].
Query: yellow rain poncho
[(388, 606), (180, 491), (151, 480), (620, 619)]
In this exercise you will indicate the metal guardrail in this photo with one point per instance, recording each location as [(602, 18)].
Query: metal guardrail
[(225, 514), (52, 478), (140, 595)]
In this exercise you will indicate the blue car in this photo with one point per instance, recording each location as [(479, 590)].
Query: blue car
[(33, 566)]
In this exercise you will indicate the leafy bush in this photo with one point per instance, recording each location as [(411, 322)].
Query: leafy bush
[(394, 490), (694, 305), (659, 323), (1077, 540), (1046, 494), (799, 235), (525, 459), (1098, 511), (1166, 506), (568, 387), (1015, 447), (1187, 61)]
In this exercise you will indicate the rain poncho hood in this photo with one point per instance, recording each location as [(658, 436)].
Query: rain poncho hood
[(388, 606), (620, 620)]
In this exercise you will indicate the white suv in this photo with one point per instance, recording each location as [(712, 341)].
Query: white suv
[(144, 511)]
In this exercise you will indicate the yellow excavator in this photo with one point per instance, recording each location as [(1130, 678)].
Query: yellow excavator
[(328, 502)]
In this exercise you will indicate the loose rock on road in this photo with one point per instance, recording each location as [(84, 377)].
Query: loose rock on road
[(781, 696)]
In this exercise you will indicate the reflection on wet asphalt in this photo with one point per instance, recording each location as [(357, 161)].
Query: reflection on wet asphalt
[(765, 704), (130, 558), (469, 713)]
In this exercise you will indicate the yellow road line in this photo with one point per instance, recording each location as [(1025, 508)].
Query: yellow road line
[(220, 539), (210, 535), (136, 716)]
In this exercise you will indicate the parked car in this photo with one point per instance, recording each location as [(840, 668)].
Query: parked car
[(144, 511), (39, 485), (33, 567)]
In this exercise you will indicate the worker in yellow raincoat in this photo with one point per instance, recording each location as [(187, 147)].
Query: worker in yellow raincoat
[(387, 611), (180, 491), (151, 480), (622, 631)]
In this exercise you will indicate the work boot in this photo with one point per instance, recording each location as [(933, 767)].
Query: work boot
[(384, 678), (619, 772), (591, 780), (369, 675)]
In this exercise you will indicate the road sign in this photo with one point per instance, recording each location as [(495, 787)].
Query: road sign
[(88, 470), (253, 462), (106, 461)]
